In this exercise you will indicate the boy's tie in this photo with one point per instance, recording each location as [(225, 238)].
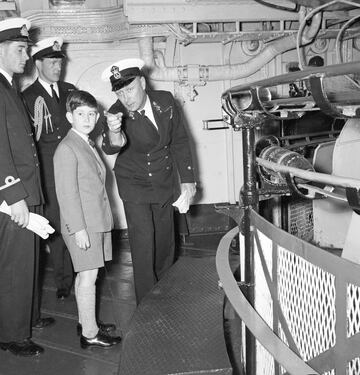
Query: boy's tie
[(92, 144)]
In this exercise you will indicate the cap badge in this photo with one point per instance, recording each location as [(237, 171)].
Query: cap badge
[(116, 72), (24, 31), (56, 46)]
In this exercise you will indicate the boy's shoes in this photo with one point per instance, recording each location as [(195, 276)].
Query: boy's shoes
[(44, 322), (101, 340), (103, 327), (27, 348)]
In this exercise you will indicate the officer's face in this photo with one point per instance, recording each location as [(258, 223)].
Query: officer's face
[(49, 68), (13, 56), (133, 96)]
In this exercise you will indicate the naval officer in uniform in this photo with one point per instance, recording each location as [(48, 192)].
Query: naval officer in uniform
[(46, 103), (20, 189), (154, 162)]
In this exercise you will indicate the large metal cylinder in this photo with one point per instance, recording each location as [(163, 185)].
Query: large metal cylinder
[(285, 157), (346, 155)]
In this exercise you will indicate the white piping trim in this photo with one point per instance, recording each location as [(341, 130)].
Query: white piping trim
[(9, 181)]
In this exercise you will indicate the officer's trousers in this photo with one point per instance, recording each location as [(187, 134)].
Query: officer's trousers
[(17, 268), (152, 242)]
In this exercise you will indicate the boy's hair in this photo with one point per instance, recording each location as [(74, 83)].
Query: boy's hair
[(78, 98)]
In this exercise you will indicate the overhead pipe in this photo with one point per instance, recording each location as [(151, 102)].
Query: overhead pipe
[(203, 73)]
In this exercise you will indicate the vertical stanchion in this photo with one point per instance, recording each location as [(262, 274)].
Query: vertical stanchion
[(249, 200)]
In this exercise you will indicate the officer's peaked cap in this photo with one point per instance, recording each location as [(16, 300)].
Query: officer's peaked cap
[(48, 48), (15, 29), (122, 72)]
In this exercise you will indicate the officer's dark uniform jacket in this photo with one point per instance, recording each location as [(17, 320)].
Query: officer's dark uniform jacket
[(50, 116), (52, 135), (150, 165), (19, 164)]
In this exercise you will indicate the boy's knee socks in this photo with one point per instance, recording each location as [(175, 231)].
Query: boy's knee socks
[(85, 299)]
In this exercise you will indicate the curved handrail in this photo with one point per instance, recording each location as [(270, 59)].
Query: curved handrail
[(324, 178), (253, 321)]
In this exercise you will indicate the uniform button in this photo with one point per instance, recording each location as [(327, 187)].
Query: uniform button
[(59, 136), (32, 144), (35, 155), (147, 155), (37, 164), (104, 135), (167, 157), (189, 167), (149, 163), (167, 167), (103, 144), (150, 174), (166, 147)]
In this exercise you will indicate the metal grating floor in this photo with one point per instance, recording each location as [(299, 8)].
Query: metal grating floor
[(178, 327)]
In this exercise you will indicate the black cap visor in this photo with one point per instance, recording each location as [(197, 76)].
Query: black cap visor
[(14, 35), (48, 53), (118, 84)]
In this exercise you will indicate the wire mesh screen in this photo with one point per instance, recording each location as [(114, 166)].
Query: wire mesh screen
[(306, 298), (300, 219), (332, 372), (353, 323), (354, 366), (353, 309)]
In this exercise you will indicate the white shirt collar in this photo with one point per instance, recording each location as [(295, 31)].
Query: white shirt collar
[(47, 87), (83, 136), (6, 75), (149, 112), (147, 106)]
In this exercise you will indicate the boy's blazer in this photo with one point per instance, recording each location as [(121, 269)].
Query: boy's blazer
[(80, 187)]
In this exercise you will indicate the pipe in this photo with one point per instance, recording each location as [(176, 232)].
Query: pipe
[(312, 15), (311, 31), (202, 73)]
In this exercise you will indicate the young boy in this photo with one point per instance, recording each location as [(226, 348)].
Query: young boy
[(86, 219)]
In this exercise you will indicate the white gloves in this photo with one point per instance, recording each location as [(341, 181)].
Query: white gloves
[(40, 225), (37, 223), (188, 191)]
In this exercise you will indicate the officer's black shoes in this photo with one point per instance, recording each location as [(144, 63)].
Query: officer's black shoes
[(27, 348)]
